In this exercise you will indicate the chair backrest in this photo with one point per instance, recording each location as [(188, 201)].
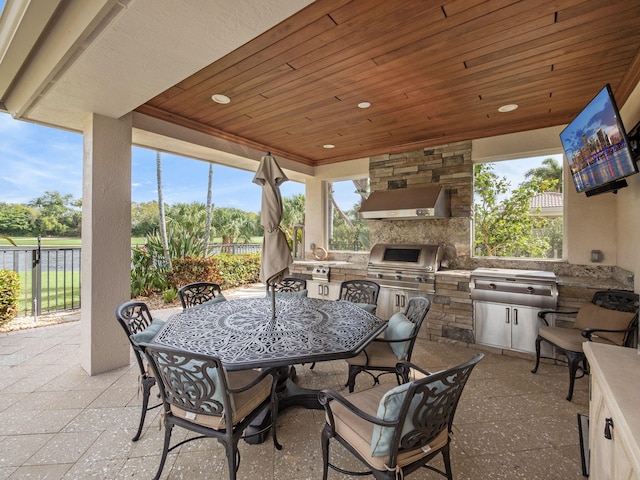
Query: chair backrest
[(191, 382), (197, 293), (416, 312), (290, 285), (621, 301), (134, 317), (423, 408), (360, 291)]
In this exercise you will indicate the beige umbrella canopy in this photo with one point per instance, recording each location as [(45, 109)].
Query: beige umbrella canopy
[(276, 255)]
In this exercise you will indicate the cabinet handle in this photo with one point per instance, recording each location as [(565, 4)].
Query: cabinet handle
[(515, 316), (320, 290), (608, 425), (326, 290), (402, 301), (506, 311), (397, 300)]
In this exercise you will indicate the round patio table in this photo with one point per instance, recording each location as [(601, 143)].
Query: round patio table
[(243, 334)]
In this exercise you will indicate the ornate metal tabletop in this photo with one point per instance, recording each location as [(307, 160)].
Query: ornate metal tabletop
[(243, 334)]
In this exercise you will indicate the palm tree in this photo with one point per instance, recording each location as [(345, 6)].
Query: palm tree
[(549, 170), (163, 221), (207, 228)]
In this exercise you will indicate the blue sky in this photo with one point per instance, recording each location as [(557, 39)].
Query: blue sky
[(35, 159)]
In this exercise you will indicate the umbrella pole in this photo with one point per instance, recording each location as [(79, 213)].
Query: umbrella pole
[(273, 300)]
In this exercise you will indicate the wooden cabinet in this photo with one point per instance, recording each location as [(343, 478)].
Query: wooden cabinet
[(614, 417), (324, 290)]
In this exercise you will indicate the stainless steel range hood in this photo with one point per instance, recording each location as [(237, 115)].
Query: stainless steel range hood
[(407, 203)]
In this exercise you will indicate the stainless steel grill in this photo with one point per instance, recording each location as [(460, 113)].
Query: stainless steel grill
[(518, 287), (506, 304), (410, 267)]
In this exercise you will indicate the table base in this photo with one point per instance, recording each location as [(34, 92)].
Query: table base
[(289, 395)]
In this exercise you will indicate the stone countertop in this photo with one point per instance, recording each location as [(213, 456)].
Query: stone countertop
[(325, 263), (563, 280), (591, 282)]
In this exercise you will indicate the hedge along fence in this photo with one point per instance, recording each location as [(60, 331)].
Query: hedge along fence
[(9, 292), (224, 269)]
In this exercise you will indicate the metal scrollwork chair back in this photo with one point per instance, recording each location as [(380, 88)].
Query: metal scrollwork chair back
[(611, 317), (198, 293), (397, 344), (135, 318), (415, 427), (290, 285), (360, 291), (200, 396)]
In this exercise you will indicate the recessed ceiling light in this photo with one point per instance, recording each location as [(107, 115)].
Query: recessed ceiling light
[(364, 105), (219, 98), (508, 108), (329, 145)]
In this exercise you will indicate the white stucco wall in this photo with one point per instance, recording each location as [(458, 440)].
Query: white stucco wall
[(628, 206)]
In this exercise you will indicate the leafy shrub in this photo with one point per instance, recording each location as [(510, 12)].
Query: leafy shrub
[(147, 272), (9, 291), (239, 269), (169, 295), (225, 269)]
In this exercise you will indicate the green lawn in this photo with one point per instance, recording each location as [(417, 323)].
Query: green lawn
[(60, 290)]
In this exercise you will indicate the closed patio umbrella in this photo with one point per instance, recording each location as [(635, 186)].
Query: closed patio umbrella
[(276, 255)]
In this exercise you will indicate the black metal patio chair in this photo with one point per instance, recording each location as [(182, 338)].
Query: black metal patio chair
[(199, 395), (396, 430), (136, 321), (610, 317)]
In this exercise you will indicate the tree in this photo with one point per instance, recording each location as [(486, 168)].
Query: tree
[(17, 220), (57, 214), (550, 171), (144, 218), (163, 222), (207, 228), (503, 225), (233, 224)]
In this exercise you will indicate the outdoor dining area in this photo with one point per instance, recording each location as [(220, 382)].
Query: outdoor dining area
[(81, 426), (276, 384)]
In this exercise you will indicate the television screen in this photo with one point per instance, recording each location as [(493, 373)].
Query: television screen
[(596, 146)]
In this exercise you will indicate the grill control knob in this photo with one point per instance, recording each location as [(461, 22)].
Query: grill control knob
[(378, 275), (398, 277), (419, 279)]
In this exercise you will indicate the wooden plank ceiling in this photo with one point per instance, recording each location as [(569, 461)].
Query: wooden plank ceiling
[(434, 73)]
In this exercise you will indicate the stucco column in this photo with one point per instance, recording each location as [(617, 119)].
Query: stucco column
[(315, 209), (106, 241)]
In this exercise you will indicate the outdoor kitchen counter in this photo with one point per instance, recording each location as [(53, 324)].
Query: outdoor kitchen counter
[(592, 282)]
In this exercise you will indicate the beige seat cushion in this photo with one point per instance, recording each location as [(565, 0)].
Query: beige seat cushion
[(245, 402), (591, 315), (379, 353), (570, 339), (358, 432)]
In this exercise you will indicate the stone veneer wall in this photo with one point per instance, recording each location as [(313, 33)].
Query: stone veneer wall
[(447, 165)]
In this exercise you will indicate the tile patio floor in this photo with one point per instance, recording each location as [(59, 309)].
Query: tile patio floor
[(56, 422)]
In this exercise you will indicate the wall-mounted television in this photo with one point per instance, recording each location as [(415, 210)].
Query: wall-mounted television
[(596, 146)]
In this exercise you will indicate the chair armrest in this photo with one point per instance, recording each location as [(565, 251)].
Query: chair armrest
[(325, 397), (404, 370), (588, 332), (542, 314), (254, 382)]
